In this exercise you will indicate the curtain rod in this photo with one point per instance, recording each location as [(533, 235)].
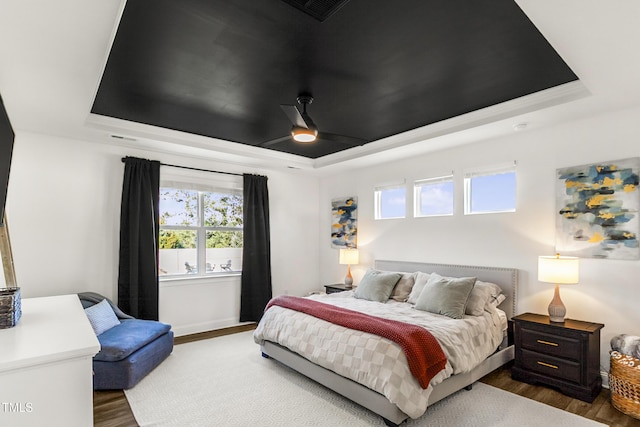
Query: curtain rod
[(195, 169)]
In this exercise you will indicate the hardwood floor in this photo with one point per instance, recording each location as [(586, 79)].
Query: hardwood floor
[(111, 409), (599, 410)]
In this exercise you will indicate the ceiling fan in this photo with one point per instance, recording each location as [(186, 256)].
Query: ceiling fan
[(305, 131)]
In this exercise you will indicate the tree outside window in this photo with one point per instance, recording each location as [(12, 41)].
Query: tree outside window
[(200, 232)]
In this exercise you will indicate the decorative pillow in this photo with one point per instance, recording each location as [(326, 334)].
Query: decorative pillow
[(403, 288), (101, 317), (377, 285), (481, 294), (421, 279), (448, 296), (495, 302)]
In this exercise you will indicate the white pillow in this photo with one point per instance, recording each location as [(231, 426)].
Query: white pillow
[(101, 317), (403, 288), (421, 279), (481, 295), (495, 302)]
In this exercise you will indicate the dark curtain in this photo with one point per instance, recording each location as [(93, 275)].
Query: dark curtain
[(256, 256), (139, 228)]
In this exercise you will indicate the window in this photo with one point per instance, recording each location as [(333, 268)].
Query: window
[(433, 196), (490, 190), (390, 202), (200, 231)]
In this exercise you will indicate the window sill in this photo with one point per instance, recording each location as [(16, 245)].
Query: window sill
[(197, 280)]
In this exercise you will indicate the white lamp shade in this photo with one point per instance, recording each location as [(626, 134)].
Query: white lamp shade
[(558, 269), (348, 256)]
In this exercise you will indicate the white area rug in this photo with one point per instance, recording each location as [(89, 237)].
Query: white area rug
[(226, 382)]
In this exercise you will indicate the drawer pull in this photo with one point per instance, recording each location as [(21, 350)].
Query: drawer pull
[(548, 365), (547, 343)]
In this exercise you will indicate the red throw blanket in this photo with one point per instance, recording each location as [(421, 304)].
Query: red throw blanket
[(423, 352)]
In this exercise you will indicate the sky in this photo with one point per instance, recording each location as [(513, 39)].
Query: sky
[(489, 193)]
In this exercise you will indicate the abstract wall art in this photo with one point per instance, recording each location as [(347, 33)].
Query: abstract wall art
[(597, 210), (344, 222)]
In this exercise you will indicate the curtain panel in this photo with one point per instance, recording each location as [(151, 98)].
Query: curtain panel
[(256, 258), (139, 229)]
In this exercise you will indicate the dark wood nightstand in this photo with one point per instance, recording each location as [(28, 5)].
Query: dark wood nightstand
[(336, 287), (562, 355)]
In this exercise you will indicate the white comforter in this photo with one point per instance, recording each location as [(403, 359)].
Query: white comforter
[(377, 362)]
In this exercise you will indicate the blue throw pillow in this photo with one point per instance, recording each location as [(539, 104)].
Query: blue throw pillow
[(101, 317)]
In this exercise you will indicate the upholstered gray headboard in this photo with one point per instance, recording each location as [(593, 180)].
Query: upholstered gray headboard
[(506, 278)]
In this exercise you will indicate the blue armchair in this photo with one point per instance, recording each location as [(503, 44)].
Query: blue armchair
[(128, 351)]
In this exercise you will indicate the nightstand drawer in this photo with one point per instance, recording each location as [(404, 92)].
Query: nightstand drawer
[(551, 366), (550, 344)]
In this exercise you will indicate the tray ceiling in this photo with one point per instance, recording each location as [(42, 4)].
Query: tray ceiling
[(222, 68)]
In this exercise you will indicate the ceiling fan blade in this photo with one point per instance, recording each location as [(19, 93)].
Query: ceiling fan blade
[(275, 141), (341, 139), (294, 115)]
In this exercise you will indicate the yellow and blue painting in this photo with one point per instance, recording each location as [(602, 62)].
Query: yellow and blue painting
[(344, 222), (598, 210)]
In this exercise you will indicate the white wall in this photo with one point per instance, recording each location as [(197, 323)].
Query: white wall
[(609, 290), (64, 201), (63, 211)]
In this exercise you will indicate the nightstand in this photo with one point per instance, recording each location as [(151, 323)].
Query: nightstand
[(562, 355), (336, 287)]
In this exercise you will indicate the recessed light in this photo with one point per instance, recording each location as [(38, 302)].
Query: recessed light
[(520, 126)]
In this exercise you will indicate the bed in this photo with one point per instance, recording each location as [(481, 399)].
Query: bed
[(366, 391)]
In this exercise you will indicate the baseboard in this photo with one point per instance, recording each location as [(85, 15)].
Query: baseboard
[(205, 327), (214, 334), (605, 379)]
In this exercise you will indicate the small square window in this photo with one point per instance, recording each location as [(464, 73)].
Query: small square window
[(390, 202), (490, 191), (433, 197)]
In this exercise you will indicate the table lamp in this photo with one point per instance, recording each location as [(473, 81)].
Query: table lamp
[(560, 270), (348, 256)]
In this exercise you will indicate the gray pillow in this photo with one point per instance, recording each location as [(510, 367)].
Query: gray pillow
[(418, 286), (403, 288), (446, 295), (377, 285)]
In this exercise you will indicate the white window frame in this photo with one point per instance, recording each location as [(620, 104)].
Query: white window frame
[(417, 195), (378, 190), (469, 175), (225, 185)]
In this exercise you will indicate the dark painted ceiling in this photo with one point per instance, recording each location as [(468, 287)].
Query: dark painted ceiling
[(376, 68)]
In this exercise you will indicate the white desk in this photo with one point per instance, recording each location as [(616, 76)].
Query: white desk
[(46, 365)]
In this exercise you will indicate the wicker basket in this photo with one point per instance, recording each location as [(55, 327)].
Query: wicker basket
[(10, 307), (624, 384)]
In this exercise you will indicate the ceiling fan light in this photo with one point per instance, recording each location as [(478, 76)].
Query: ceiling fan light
[(303, 135)]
